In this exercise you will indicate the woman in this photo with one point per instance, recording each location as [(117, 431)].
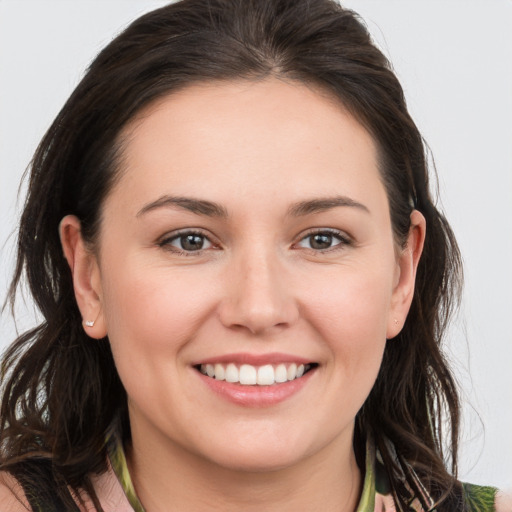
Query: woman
[(245, 281)]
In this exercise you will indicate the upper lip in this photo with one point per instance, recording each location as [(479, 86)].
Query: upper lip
[(253, 359)]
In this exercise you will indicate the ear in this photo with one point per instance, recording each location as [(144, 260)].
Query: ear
[(407, 265), (86, 276)]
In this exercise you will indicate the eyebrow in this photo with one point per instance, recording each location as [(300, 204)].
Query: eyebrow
[(198, 206), (324, 204), (211, 209)]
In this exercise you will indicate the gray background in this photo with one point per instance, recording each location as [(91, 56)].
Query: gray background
[(454, 59)]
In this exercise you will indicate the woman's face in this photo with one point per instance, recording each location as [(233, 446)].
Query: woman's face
[(248, 238)]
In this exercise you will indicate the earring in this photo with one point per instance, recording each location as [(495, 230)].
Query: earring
[(396, 321), (89, 323)]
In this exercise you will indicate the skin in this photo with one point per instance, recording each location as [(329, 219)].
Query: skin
[(257, 149)]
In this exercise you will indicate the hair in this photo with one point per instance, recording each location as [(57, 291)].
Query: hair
[(61, 391)]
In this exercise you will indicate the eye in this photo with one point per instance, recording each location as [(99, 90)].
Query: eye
[(186, 242), (323, 240)]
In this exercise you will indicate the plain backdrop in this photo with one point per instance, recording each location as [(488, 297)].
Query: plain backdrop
[(454, 59)]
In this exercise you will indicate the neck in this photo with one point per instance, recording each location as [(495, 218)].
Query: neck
[(169, 478)]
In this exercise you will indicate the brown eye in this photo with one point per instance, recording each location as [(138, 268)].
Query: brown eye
[(191, 242), (323, 240), (187, 242)]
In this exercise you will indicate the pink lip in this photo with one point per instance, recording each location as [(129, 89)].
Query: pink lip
[(254, 359), (256, 396)]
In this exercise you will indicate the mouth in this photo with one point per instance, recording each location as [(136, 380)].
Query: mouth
[(250, 375)]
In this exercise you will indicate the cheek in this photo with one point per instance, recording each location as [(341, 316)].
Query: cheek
[(353, 305), (154, 310), (151, 317), (352, 319)]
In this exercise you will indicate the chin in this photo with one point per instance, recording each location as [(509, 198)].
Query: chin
[(258, 463), (255, 457)]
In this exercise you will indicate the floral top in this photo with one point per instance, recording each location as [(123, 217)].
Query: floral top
[(376, 495)]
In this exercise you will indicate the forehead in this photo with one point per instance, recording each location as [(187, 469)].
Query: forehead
[(269, 137)]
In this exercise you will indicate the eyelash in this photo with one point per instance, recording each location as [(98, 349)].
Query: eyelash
[(344, 240), (166, 242)]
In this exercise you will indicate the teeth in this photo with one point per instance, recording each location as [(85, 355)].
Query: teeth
[(292, 372), (232, 373), (249, 375), (281, 373), (266, 375), (210, 370), (219, 372)]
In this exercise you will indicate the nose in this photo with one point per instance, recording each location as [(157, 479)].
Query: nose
[(258, 297)]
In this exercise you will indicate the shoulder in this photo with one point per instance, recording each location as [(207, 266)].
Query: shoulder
[(12, 497), (486, 499), (504, 501), (107, 487)]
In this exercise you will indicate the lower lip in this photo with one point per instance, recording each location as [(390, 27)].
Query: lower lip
[(256, 396)]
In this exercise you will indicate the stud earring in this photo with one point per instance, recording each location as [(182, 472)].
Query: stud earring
[(396, 321), (89, 323)]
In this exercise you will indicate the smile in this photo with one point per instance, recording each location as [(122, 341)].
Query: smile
[(249, 375)]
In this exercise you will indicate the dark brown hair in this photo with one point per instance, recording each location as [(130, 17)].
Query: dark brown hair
[(62, 391)]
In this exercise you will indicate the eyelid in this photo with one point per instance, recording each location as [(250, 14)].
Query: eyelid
[(345, 239), (164, 241)]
